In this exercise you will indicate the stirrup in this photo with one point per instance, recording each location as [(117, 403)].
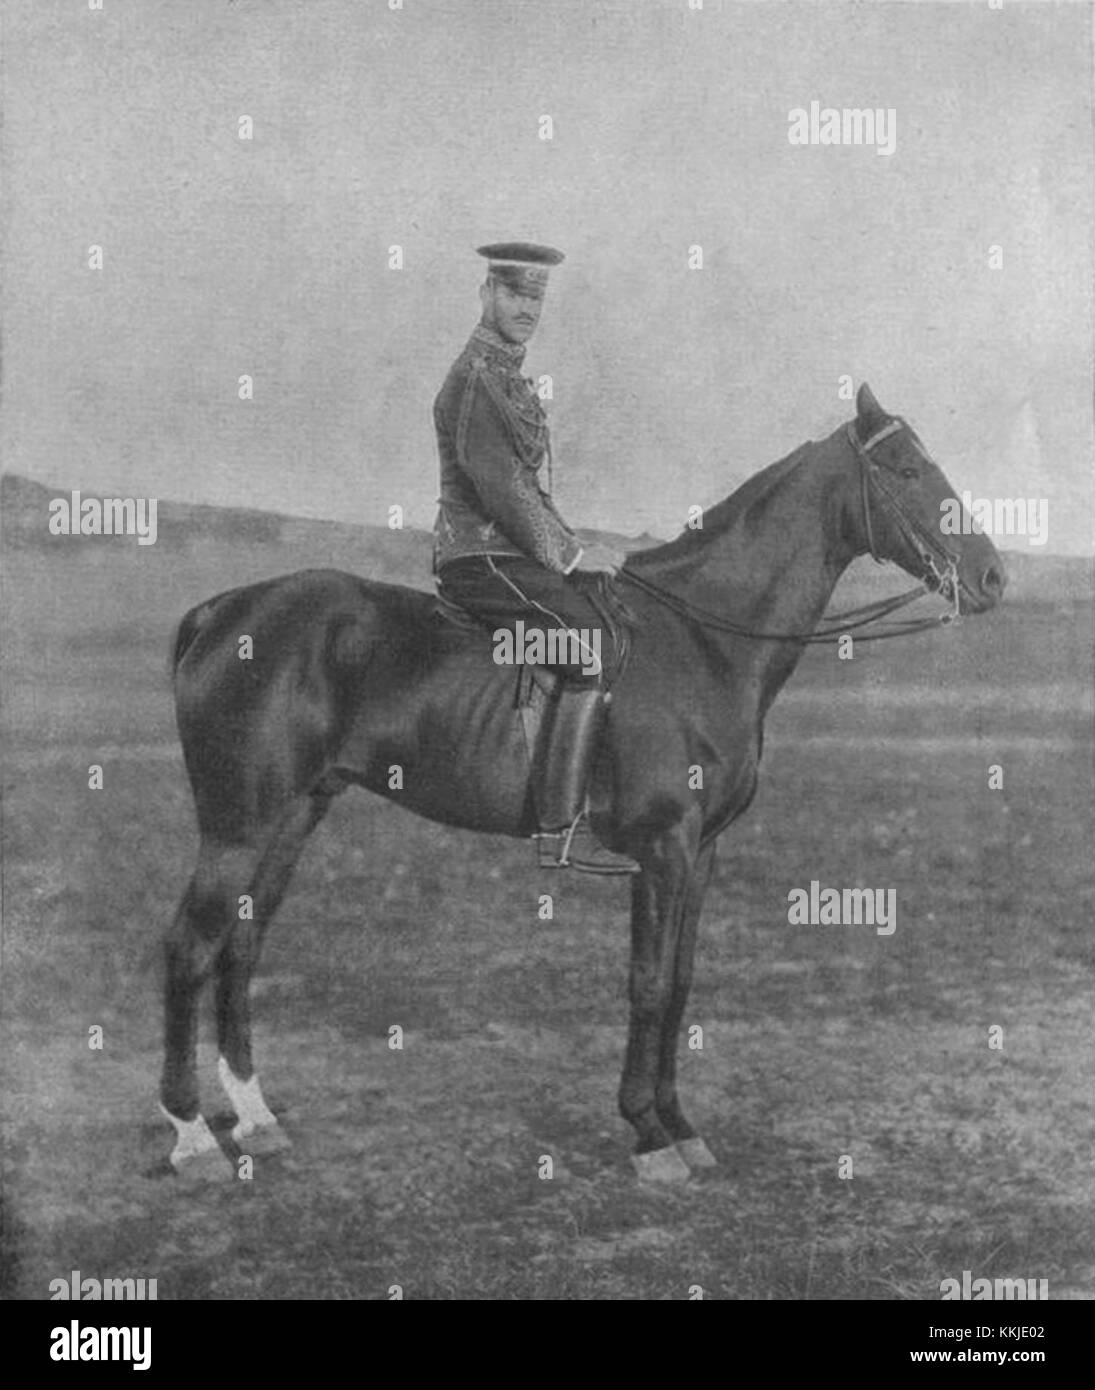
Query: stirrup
[(553, 846), (591, 858)]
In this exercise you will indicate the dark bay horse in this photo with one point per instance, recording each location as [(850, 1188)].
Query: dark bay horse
[(349, 680)]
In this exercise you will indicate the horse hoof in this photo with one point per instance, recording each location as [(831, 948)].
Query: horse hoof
[(661, 1166), (211, 1166), (261, 1140), (696, 1153), (196, 1153)]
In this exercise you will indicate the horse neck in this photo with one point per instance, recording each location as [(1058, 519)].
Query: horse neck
[(770, 555)]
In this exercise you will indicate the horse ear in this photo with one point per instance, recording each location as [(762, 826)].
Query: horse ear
[(869, 414)]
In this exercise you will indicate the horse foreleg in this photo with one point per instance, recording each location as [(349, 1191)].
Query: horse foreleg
[(659, 898), (689, 1144), (197, 935), (257, 1129)]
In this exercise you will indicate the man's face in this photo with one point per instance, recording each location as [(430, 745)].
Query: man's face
[(511, 312)]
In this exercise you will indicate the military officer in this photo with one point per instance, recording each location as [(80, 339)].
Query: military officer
[(501, 548)]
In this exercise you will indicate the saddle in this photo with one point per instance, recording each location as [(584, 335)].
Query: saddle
[(600, 591), (562, 719), (598, 588)]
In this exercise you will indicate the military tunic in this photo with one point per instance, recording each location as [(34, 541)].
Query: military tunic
[(492, 438)]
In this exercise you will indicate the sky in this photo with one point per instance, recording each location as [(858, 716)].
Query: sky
[(420, 127)]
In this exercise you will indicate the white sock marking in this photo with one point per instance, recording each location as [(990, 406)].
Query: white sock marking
[(247, 1102)]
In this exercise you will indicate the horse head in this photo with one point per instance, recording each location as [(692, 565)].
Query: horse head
[(903, 499)]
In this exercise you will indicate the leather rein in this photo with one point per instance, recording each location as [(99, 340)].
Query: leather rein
[(940, 576)]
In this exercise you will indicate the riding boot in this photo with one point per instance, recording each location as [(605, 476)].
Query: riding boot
[(566, 839)]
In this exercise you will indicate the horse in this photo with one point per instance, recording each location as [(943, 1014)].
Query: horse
[(349, 679)]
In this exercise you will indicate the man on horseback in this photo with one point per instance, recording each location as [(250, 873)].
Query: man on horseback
[(503, 552)]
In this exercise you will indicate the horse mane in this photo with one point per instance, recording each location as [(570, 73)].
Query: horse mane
[(738, 511)]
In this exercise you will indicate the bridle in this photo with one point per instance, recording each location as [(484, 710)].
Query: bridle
[(920, 540), (940, 566)]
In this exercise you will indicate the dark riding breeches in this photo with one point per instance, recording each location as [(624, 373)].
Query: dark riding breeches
[(505, 589)]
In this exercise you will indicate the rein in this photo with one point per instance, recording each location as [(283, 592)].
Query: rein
[(935, 580)]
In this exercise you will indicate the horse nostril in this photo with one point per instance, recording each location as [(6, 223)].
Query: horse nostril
[(992, 581)]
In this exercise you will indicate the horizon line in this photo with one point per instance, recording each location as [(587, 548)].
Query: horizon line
[(426, 531)]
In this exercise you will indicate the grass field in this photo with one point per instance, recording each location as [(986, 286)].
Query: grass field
[(420, 1167)]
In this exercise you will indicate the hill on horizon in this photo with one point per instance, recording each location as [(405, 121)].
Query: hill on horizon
[(403, 556)]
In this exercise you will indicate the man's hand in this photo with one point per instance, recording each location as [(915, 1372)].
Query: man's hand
[(602, 557)]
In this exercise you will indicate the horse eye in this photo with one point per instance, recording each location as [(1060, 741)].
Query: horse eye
[(910, 473)]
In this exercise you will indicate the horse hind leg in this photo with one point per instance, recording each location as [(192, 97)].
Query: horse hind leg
[(257, 1130), (197, 936)]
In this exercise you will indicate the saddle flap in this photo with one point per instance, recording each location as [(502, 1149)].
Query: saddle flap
[(447, 611), (536, 687)]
